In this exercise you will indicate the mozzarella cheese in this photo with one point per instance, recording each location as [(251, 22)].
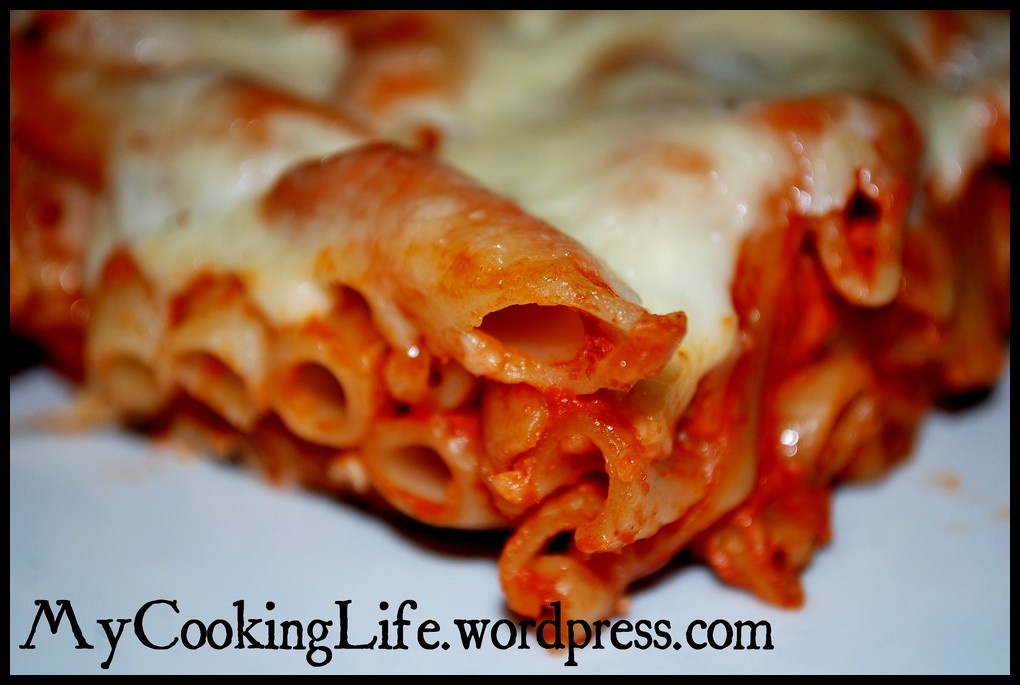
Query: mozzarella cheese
[(624, 130)]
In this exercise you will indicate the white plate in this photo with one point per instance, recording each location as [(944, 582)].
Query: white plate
[(916, 580)]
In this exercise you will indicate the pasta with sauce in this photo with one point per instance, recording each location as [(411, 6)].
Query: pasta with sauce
[(622, 284)]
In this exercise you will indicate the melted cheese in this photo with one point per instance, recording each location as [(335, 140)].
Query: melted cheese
[(611, 173), (623, 130), (277, 269), (654, 173), (198, 165), (274, 46)]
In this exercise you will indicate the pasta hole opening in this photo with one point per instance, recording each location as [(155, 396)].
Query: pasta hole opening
[(314, 390), (547, 334), (211, 380), (351, 300), (559, 543), (419, 470), (862, 209), (862, 215)]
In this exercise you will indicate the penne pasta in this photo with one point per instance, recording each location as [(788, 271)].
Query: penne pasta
[(125, 339), (622, 284), (428, 468), (327, 375), (227, 372)]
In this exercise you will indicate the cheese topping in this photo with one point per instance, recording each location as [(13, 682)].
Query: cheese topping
[(624, 130)]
